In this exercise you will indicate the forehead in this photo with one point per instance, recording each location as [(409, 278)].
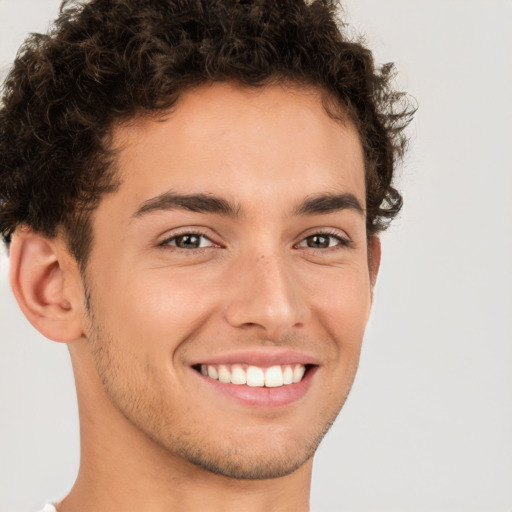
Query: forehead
[(241, 143)]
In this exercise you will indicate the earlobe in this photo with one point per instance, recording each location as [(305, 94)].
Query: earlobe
[(46, 283)]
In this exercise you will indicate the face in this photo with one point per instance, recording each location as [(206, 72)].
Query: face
[(228, 282)]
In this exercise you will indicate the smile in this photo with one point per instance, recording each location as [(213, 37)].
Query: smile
[(254, 376)]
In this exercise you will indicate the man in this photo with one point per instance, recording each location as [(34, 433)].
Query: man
[(191, 195)]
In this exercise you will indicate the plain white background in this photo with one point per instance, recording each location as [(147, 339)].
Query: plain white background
[(428, 426)]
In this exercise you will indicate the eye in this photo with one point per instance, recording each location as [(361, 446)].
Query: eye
[(323, 241), (188, 241)]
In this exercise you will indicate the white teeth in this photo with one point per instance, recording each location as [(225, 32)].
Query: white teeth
[(212, 372), (288, 375), (298, 373), (238, 375), (254, 376), (224, 374), (274, 377)]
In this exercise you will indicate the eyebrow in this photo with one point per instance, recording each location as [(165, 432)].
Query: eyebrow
[(201, 203), (208, 203), (328, 203)]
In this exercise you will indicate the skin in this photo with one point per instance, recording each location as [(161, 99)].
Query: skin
[(154, 435)]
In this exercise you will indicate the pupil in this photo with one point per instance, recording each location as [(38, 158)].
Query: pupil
[(188, 241), (318, 241)]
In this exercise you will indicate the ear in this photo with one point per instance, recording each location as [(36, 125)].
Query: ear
[(374, 254), (46, 282)]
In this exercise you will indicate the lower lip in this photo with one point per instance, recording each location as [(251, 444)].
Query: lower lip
[(262, 396)]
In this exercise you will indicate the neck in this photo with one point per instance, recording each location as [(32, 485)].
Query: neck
[(122, 469)]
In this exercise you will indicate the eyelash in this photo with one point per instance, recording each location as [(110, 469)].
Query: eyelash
[(342, 242), (166, 242)]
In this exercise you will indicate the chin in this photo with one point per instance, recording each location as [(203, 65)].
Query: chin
[(247, 465), (259, 455)]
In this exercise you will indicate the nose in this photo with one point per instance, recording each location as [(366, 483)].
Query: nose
[(265, 295)]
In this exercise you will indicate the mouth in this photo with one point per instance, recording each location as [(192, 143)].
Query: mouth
[(258, 386), (257, 378), (239, 374)]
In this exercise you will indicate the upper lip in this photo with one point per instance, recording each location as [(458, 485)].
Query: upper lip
[(260, 358)]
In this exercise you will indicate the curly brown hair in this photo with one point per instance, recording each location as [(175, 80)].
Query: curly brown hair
[(105, 61)]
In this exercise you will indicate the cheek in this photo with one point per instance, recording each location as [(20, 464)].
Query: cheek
[(342, 303), (155, 305)]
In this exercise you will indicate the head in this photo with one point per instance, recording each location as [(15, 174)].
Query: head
[(213, 177)]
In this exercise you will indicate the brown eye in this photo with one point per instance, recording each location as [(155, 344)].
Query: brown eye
[(188, 241), (318, 241), (324, 241)]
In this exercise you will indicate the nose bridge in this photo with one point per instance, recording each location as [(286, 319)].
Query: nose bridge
[(266, 294)]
